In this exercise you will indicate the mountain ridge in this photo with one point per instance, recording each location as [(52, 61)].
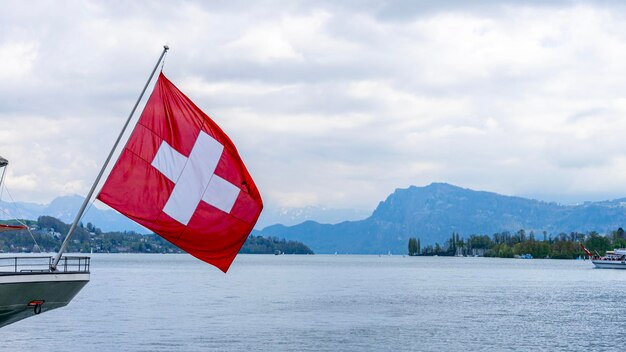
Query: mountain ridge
[(433, 212), (65, 208), (430, 213)]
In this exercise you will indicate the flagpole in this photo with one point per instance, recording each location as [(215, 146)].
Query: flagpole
[(53, 266)]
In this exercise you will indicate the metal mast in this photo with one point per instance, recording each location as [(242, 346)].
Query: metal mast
[(3, 163), (53, 266)]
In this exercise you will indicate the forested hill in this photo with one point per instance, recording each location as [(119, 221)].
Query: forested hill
[(432, 213), (264, 245), (48, 233)]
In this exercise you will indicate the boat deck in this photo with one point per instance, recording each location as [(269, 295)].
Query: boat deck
[(24, 265), (29, 287)]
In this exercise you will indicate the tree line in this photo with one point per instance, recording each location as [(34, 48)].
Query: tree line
[(47, 233), (508, 245)]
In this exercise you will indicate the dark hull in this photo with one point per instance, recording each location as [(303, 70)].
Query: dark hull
[(19, 289)]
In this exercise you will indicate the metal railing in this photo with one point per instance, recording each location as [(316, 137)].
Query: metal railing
[(34, 264)]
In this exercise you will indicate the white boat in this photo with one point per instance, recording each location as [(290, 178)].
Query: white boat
[(615, 259), (30, 285), (210, 197)]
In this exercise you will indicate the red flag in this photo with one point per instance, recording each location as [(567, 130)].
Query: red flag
[(586, 251), (180, 176), (4, 228)]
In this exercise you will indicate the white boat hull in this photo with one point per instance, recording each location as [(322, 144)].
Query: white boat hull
[(609, 264)]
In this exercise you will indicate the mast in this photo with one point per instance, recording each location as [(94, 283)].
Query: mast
[(53, 266), (3, 163)]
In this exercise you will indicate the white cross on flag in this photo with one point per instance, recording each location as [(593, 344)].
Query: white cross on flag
[(181, 176)]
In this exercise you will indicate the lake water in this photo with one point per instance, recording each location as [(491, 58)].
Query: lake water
[(142, 302)]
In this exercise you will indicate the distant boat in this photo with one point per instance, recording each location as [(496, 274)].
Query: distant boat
[(615, 259)]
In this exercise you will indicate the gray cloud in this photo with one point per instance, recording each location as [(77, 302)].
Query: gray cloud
[(330, 103)]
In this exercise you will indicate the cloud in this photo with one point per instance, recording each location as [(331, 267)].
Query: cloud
[(17, 59), (333, 104)]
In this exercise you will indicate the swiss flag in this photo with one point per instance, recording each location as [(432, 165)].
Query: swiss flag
[(181, 176)]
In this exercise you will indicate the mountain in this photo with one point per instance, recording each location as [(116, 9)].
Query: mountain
[(432, 213), (20, 210), (65, 209), (293, 216)]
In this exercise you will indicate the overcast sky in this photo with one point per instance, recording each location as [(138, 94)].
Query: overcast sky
[(330, 104)]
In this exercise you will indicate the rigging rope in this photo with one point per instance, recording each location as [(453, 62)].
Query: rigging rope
[(87, 211), (18, 211)]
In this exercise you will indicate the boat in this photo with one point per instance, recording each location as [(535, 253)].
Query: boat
[(179, 175), (29, 285), (615, 259)]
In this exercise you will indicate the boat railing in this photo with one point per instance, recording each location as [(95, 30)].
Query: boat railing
[(41, 264)]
